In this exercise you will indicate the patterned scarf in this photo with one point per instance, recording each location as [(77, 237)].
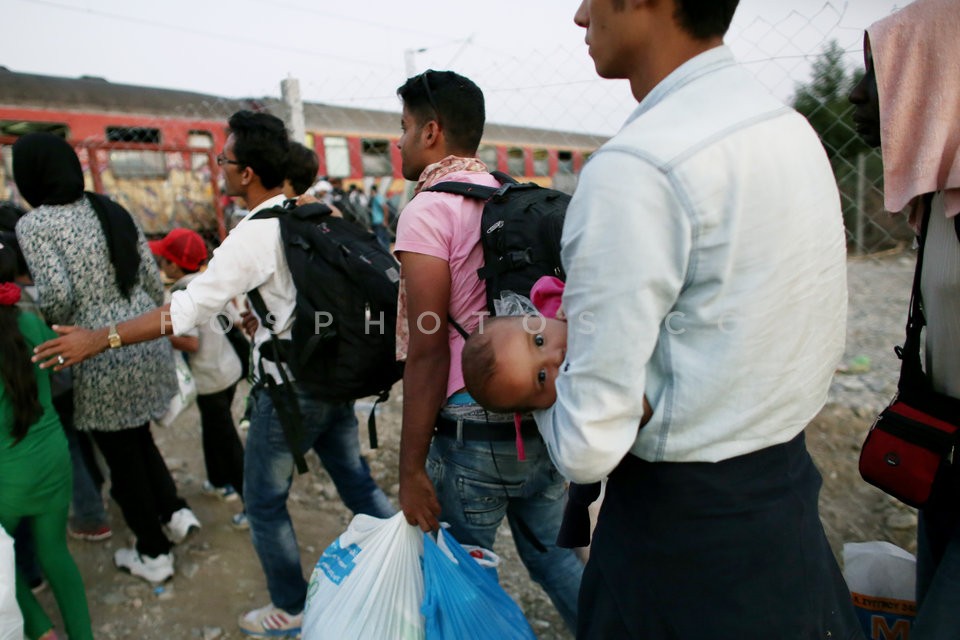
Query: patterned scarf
[(434, 172)]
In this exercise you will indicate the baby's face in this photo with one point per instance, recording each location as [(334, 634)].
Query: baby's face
[(528, 351)]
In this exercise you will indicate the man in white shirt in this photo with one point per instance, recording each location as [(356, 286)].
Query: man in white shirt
[(705, 255), (254, 162)]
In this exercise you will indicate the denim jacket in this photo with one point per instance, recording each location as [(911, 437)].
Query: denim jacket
[(705, 255)]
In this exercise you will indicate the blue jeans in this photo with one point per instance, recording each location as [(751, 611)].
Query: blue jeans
[(938, 569), (480, 482), (87, 504), (88, 510), (331, 430), (383, 235)]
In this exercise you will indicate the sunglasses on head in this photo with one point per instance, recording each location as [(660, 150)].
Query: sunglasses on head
[(425, 81)]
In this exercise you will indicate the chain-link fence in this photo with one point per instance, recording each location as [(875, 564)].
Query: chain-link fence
[(547, 110), (154, 149)]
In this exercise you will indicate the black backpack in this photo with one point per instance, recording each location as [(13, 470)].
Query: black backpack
[(352, 212), (520, 233), (343, 344)]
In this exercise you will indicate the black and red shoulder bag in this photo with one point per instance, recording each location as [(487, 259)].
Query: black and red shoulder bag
[(913, 440)]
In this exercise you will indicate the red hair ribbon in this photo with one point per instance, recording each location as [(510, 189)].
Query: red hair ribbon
[(9, 294)]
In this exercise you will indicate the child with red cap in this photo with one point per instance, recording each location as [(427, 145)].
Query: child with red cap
[(216, 369)]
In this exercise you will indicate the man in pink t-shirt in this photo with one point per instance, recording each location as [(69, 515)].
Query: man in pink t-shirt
[(458, 463)]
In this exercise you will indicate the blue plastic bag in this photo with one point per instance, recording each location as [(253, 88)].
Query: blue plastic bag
[(462, 600)]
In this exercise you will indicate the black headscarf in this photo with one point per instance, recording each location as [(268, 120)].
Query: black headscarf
[(47, 171)]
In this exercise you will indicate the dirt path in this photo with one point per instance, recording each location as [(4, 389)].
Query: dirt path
[(219, 577)]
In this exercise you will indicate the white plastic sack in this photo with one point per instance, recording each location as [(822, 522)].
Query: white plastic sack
[(368, 583), (11, 622), (186, 391), (882, 580), (511, 303)]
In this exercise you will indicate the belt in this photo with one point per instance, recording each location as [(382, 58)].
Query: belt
[(494, 431)]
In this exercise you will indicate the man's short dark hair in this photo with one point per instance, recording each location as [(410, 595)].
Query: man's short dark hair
[(453, 100), (700, 18), (302, 167), (261, 143), (705, 18)]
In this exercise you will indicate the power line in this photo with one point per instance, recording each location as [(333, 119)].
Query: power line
[(231, 38), (327, 14)]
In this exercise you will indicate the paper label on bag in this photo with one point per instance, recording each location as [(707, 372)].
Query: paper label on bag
[(884, 618), (338, 562)]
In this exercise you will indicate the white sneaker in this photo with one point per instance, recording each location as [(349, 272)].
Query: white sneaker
[(226, 493), (159, 569), (239, 521), (182, 523), (270, 622)]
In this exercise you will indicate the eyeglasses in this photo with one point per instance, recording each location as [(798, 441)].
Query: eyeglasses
[(425, 81), (222, 160)]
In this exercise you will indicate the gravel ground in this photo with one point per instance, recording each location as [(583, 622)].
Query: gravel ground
[(879, 296), (219, 575)]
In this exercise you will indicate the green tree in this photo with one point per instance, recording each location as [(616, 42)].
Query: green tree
[(824, 102)]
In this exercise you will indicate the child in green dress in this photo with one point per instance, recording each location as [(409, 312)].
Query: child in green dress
[(35, 469)]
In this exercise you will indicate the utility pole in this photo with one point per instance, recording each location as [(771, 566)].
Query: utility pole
[(410, 63), (290, 90)]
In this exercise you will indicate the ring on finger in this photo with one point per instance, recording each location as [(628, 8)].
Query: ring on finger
[(60, 359)]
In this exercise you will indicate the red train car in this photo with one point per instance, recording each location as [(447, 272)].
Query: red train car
[(154, 150)]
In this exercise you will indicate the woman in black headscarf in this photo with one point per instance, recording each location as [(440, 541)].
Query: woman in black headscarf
[(92, 266)]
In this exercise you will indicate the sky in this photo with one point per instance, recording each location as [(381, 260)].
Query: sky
[(527, 55)]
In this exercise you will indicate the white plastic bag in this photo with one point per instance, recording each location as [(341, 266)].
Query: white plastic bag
[(368, 583), (11, 622), (186, 391), (513, 304), (882, 578)]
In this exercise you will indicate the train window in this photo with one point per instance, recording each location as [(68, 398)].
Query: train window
[(564, 161), (488, 155), (127, 163), (21, 128), (133, 134), (199, 140), (375, 155), (338, 157), (516, 166), (541, 162)]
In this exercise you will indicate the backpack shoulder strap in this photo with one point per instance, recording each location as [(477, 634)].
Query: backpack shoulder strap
[(470, 190), (503, 178), (266, 214), (283, 397), (465, 189), (305, 212)]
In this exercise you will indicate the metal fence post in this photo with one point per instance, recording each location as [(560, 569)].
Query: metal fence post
[(861, 196)]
